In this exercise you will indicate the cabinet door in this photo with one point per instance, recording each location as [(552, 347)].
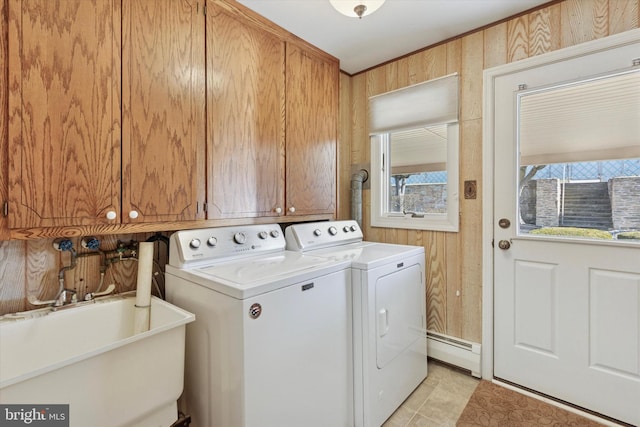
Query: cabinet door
[(64, 112), (312, 116), (163, 110), (245, 117)]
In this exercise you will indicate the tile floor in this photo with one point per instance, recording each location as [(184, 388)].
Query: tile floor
[(438, 401)]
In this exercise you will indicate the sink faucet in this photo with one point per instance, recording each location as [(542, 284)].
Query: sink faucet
[(63, 300)]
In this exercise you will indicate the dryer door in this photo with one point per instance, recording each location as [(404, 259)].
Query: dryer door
[(399, 320)]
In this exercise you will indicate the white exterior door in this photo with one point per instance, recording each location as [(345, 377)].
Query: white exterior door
[(566, 310)]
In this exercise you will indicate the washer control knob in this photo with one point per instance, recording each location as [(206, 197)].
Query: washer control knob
[(194, 243), (274, 233), (212, 241), (333, 231), (346, 229), (240, 238), (317, 232), (263, 235), (353, 228)]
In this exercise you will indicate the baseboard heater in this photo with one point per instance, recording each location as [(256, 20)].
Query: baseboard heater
[(454, 351)]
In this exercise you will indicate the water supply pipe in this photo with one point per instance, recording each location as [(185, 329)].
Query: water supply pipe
[(356, 194)]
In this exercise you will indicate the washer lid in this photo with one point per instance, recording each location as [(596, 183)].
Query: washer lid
[(252, 276), (264, 268)]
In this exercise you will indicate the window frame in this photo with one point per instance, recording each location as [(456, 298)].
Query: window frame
[(380, 187)]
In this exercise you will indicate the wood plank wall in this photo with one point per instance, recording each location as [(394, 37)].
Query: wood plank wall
[(454, 260)]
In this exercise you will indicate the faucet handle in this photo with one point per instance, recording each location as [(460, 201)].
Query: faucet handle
[(90, 296), (35, 301)]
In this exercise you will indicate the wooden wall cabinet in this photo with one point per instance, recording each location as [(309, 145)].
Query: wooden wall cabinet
[(111, 120), (272, 111), (311, 142), (64, 112), (78, 153), (245, 117), (163, 71)]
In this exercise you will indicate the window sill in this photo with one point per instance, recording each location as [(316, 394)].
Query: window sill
[(428, 223)]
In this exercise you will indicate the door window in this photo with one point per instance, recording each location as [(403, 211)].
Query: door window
[(579, 158)]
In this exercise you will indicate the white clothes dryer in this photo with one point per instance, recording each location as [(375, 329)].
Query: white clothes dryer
[(271, 343), (389, 313)]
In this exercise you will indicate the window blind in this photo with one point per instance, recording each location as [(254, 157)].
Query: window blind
[(423, 104), (595, 119)]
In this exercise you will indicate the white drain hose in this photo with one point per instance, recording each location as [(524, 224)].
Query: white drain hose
[(143, 288)]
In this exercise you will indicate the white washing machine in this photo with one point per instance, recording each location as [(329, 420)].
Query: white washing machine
[(389, 313), (271, 345)]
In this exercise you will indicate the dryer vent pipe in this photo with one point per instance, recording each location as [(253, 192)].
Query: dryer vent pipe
[(356, 194)]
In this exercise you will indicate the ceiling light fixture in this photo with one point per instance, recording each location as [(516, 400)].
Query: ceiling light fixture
[(356, 8)]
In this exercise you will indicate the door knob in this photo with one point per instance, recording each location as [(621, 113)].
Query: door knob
[(504, 244)]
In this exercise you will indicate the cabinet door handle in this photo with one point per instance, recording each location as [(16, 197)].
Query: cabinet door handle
[(278, 210), (292, 209), (111, 215), (133, 214)]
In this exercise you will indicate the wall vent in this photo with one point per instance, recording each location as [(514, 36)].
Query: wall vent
[(455, 351)]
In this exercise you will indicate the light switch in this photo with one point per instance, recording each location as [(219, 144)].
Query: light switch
[(470, 190)]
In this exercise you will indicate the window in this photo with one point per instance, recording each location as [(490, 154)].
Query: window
[(579, 146), (414, 156)]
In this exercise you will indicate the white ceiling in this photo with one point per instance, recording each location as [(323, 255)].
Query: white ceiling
[(399, 27)]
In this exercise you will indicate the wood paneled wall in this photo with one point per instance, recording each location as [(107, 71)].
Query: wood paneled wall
[(454, 260)]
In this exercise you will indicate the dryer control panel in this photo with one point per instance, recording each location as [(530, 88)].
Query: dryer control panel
[(221, 243), (317, 235)]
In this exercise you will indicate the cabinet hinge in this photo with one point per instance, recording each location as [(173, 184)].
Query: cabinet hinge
[(5, 209), (204, 9)]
